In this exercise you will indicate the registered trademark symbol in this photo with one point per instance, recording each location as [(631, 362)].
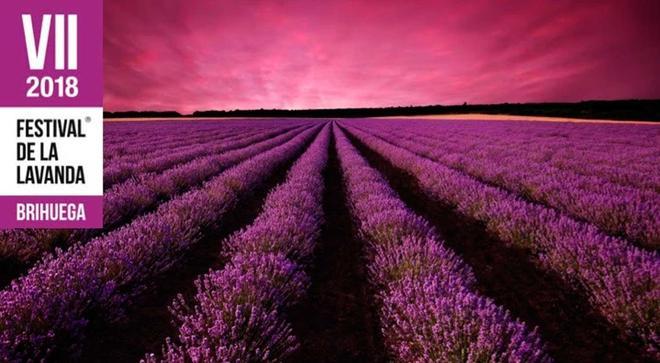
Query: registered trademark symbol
[(88, 119)]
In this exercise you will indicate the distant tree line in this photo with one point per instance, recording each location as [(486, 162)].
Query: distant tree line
[(647, 110), (141, 114)]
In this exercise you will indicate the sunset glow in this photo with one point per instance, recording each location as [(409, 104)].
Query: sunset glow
[(208, 54)]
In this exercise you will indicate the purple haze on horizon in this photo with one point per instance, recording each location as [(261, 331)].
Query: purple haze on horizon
[(206, 54)]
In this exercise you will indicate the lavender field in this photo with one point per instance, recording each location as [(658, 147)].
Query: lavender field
[(357, 240)]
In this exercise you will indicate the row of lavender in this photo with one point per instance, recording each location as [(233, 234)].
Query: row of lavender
[(238, 311), (143, 192), (621, 281), (46, 313), (614, 208), (429, 310)]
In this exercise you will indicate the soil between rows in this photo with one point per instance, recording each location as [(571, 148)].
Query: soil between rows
[(338, 322), (148, 321), (10, 269), (573, 331)]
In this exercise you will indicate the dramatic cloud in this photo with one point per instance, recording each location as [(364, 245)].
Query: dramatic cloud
[(210, 54)]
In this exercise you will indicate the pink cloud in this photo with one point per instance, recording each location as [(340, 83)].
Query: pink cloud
[(210, 54)]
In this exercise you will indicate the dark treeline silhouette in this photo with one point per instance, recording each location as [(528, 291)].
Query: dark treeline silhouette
[(647, 110), (142, 114)]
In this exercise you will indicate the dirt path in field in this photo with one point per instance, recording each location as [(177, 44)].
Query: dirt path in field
[(10, 269), (338, 321), (573, 331), (148, 321)]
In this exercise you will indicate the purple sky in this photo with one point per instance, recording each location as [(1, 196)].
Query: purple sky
[(211, 54)]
